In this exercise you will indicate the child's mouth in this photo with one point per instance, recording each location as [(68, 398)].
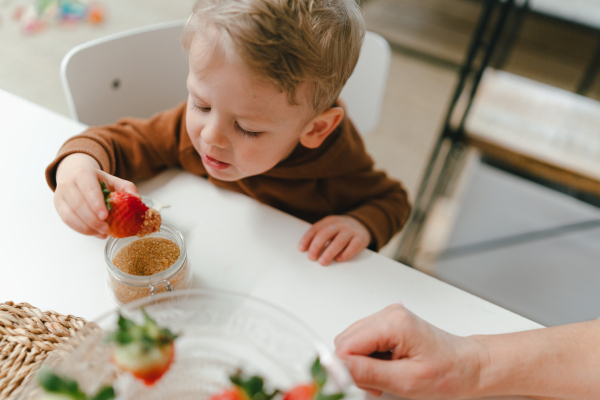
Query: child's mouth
[(213, 163)]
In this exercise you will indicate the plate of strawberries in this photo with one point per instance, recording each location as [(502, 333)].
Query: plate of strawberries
[(194, 344)]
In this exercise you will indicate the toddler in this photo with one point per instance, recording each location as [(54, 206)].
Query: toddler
[(262, 118)]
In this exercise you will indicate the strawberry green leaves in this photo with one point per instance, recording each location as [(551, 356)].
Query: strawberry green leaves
[(253, 387), (106, 194), (65, 388), (319, 375), (145, 350), (149, 335)]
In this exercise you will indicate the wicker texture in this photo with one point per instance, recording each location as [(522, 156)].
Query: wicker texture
[(27, 336)]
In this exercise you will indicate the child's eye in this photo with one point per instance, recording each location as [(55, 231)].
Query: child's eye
[(196, 107), (245, 132)]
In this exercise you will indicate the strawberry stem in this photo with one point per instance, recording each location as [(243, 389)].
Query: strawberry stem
[(253, 387), (149, 335), (106, 194)]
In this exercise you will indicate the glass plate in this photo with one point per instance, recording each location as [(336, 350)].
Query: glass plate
[(220, 332)]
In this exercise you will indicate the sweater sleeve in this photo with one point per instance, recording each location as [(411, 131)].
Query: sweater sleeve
[(131, 149), (378, 202)]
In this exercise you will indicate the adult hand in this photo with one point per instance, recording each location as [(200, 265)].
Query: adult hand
[(426, 362), (78, 198), (337, 237)]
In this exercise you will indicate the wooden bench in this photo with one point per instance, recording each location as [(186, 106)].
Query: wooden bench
[(546, 131)]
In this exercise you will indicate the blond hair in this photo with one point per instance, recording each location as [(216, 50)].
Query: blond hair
[(289, 42)]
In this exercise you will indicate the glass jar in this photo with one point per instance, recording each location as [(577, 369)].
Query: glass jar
[(124, 288)]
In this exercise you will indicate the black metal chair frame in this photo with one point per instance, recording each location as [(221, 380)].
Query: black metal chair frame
[(451, 144)]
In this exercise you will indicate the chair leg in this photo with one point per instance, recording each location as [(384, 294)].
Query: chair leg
[(422, 205), (505, 48)]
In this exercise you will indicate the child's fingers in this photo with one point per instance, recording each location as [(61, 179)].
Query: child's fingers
[(80, 207), (92, 193), (307, 238), (336, 246), (118, 184), (324, 235), (355, 246), (73, 221)]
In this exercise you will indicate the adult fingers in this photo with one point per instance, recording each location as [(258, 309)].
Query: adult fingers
[(336, 246), (324, 235), (378, 375), (355, 246), (372, 392), (382, 331)]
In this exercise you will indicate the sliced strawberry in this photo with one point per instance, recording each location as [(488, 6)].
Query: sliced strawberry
[(251, 388), (61, 388), (314, 390), (128, 215), (145, 350)]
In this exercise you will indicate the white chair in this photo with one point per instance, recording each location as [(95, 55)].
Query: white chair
[(142, 71), (365, 90), (133, 73)]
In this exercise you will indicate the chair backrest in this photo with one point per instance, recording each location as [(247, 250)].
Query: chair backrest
[(364, 92), (133, 73), (142, 71)]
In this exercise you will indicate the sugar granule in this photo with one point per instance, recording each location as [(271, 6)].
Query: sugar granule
[(147, 256)]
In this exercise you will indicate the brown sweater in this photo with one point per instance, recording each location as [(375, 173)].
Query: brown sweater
[(336, 178)]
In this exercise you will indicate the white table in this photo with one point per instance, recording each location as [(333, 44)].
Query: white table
[(233, 243)]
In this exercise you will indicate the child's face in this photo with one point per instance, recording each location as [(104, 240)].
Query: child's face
[(239, 125)]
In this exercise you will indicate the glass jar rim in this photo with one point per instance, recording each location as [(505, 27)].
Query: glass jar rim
[(137, 280)]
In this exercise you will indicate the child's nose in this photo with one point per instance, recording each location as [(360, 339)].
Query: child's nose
[(213, 135)]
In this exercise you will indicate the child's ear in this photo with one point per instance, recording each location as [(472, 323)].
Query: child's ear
[(321, 126)]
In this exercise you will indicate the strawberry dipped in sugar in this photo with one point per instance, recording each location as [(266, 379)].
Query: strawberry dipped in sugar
[(313, 390), (146, 351), (62, 388), (251, 388), (128, 215)]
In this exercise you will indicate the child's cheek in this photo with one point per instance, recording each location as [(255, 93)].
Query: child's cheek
[(193, 128)]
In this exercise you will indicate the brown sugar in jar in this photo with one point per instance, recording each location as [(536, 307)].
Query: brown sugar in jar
[(145, 257), (139, 268)]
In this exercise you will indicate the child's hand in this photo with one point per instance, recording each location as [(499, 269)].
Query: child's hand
[(78, 197), (346, 237)]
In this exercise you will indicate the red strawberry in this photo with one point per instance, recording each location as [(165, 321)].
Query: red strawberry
[(314, 390), (128, 216), (302, 392), (245, 389), (145, 350)]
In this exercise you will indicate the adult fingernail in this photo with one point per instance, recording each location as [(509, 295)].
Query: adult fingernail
[(322, 261), (102, 214)]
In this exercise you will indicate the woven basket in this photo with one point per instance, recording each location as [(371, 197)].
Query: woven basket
[(27, 336)]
